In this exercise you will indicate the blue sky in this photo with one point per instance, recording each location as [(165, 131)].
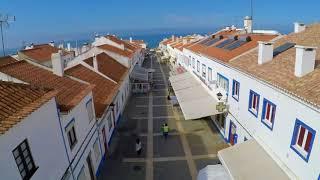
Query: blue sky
[(43, 20)]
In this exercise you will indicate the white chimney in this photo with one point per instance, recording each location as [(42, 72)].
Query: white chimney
[(248, 24), (305, 60), (60, 46), (69, 47), (184, 41), (130, 39), (298, 27), (265, 52), (51, 43), (57, 63), (233, 27), (96, 37), (172, 38), (95, 62)]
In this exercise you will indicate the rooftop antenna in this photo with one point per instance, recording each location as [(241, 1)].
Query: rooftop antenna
[(4, 22), (251, 3)]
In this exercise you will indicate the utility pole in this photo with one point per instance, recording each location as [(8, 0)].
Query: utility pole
[(4, 22)]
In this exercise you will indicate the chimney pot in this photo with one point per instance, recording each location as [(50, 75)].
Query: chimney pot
[(248, 24), (51, 43), (265, 52), (305, 60), (130, 39), (172, 38)]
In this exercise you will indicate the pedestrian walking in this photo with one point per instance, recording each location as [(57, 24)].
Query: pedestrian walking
[(138, 146), (165, 130)]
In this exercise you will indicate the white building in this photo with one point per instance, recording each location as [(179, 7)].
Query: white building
[(75, 106), (30, 134), (270, 93)]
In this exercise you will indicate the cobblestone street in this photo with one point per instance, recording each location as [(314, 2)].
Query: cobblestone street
[(191, 145)]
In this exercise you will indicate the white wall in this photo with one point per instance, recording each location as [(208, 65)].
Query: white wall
[(86, 133), (276, 142), (42, 130)]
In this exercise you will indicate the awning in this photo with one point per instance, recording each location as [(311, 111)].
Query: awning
[(213, 172), (140, 73), (249, 160), (194, 100)]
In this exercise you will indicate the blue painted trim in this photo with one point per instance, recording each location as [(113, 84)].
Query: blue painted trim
[(233, 95), (265, 101), (71, 121), (64, 142), (223, 77), (100, 165), (251, 93), (109, 142), (299, 123)]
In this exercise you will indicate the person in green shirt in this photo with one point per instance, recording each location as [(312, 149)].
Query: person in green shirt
[(165, 130)]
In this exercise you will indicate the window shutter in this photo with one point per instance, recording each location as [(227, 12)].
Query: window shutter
[(268, 111), (307, 146), (301, 135)]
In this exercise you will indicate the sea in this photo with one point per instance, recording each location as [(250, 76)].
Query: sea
[(152, 41)]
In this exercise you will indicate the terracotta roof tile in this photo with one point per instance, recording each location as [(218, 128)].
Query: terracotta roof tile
[(127, 45), (17, 101), (70, 92), (42, 52), (7, 60), (109, 67), (280, 71), (116, 50), (104, 89)]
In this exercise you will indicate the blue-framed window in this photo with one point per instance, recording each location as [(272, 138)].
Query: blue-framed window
[(254, 99), (89, 108), (235, 90), (268, 113), (198, 66), (223, 82), (193, 63), (209, 74), (71, 133), (204, 71), (302, 139)]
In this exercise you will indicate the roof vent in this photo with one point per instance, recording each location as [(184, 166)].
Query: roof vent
[(305, 60)]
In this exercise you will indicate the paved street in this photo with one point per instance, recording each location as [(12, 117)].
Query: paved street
[(191, 145)]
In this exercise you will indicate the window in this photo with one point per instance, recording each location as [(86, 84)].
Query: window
[(198, 66), (24, 160), (254, 103), (90, 110), (223, 82), (189, 60), (193, 63), (96, 150), (110, 124), (235, 90), (204, 70), (209, 74), (72, 138), (268, 113), (302, 139)]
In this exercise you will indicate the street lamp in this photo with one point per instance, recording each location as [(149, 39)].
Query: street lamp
[(219, 95)]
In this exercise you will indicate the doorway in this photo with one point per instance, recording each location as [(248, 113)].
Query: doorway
[(232, 133)]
